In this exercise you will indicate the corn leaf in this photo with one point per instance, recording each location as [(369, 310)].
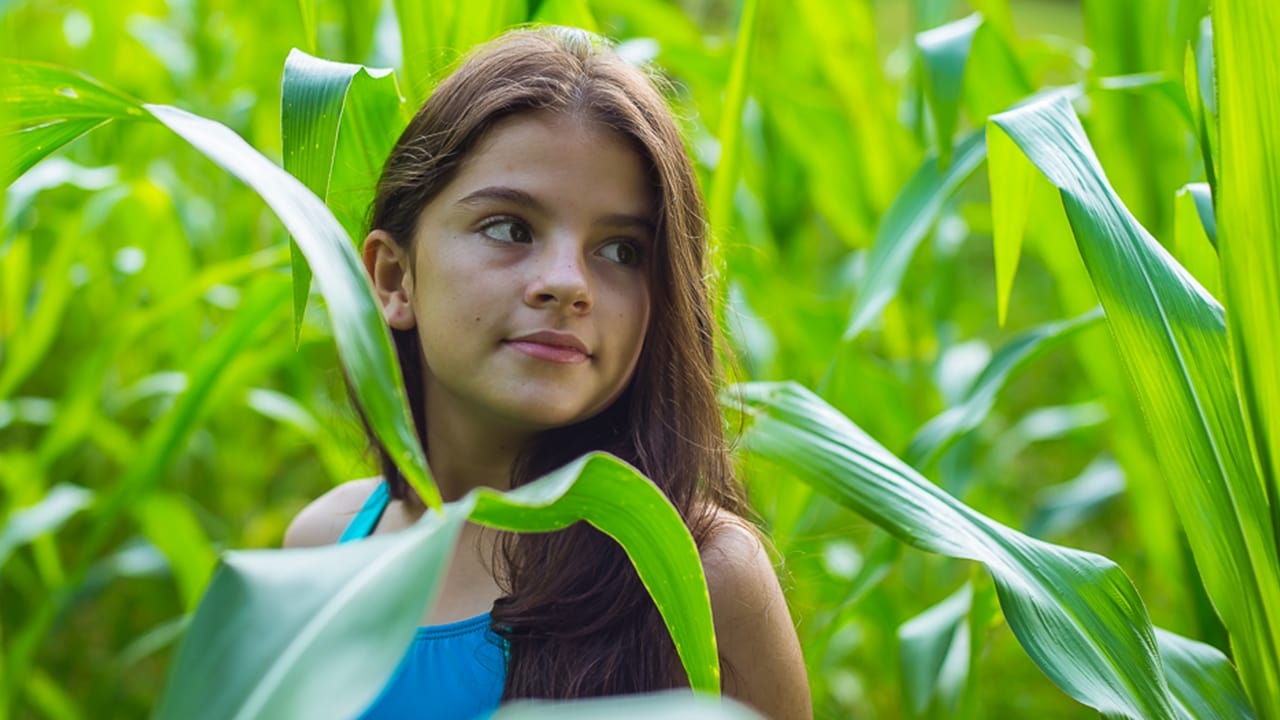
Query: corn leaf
[(1194, 233), (1075, 613), (1172, 338), (316, 632), (47, 107), (362, 337), (943, 429), (1248, 215), (944, 52), (725, 181), (318, 98), (905, 225)]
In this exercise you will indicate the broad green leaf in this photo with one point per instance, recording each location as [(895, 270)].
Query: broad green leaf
[(316, 96), (945, 53), (362, 337), (938, 434), (310, 632), (47, 107), (724, 182), (26, 524), (35, 143), (317, 631), (1171, 336), (1248, 216), (1075, 613), (1201, 679), (905, 225), (671, 705)]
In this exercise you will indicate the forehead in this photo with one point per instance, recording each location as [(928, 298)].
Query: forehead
[(559, 157)]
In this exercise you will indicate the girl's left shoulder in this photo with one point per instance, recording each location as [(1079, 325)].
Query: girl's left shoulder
[(763, 664)]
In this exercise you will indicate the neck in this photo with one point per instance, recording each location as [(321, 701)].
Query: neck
[(465, 452)]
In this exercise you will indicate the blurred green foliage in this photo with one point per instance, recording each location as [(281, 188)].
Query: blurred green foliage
[(127, 259)]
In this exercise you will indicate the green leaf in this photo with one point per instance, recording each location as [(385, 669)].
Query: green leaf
[(940, 432), (46, 107), (317, 631), (55, 508), (935, 653), (944, 51), (170, 525), (1009, 213), (1194, 236), (1075, 613), (311, 632), (1172, 338), (362, 337), (316, 96), (1248, 215), (1201, 679), (724, 182), (906, 223)]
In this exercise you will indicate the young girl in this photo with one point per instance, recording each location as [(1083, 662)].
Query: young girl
[(538, 250)]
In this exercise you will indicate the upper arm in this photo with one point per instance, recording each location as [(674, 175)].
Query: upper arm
[(325, 518), (758, 645)]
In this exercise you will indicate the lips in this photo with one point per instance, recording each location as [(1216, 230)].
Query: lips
[(551, 346)]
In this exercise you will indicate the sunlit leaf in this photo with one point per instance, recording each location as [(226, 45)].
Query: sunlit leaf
[(1248, 220), (318, 98), (1172, 337)]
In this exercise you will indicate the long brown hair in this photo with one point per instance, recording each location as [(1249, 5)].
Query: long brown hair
[(577, 619)]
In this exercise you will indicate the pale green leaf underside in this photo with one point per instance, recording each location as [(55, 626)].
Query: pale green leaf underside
[(317, 631)]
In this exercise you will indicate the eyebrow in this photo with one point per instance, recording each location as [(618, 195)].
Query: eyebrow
[(520, 198)]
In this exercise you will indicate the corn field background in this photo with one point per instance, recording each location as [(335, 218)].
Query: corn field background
[(983, 266)]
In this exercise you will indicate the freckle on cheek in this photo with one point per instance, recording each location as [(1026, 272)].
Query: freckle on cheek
[(477, 318)]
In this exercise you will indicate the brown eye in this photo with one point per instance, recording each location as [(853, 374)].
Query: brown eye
[(507, 231), (622, 252)]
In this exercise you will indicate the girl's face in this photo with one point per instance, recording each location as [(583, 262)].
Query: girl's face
[(529, 276)]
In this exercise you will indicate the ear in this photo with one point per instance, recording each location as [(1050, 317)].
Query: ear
[(389, 270)]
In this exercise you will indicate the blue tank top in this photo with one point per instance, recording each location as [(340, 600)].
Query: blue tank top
[(450, 671)]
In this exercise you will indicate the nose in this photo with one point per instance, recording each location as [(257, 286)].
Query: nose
[(560, 279)]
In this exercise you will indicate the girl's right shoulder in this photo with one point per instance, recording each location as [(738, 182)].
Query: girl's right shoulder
[(322, 521)]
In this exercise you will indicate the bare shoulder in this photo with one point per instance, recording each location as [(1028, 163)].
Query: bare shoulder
[(763, 664), (322, 521)]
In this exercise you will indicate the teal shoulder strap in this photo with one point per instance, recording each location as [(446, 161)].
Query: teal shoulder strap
[(366, 520)]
